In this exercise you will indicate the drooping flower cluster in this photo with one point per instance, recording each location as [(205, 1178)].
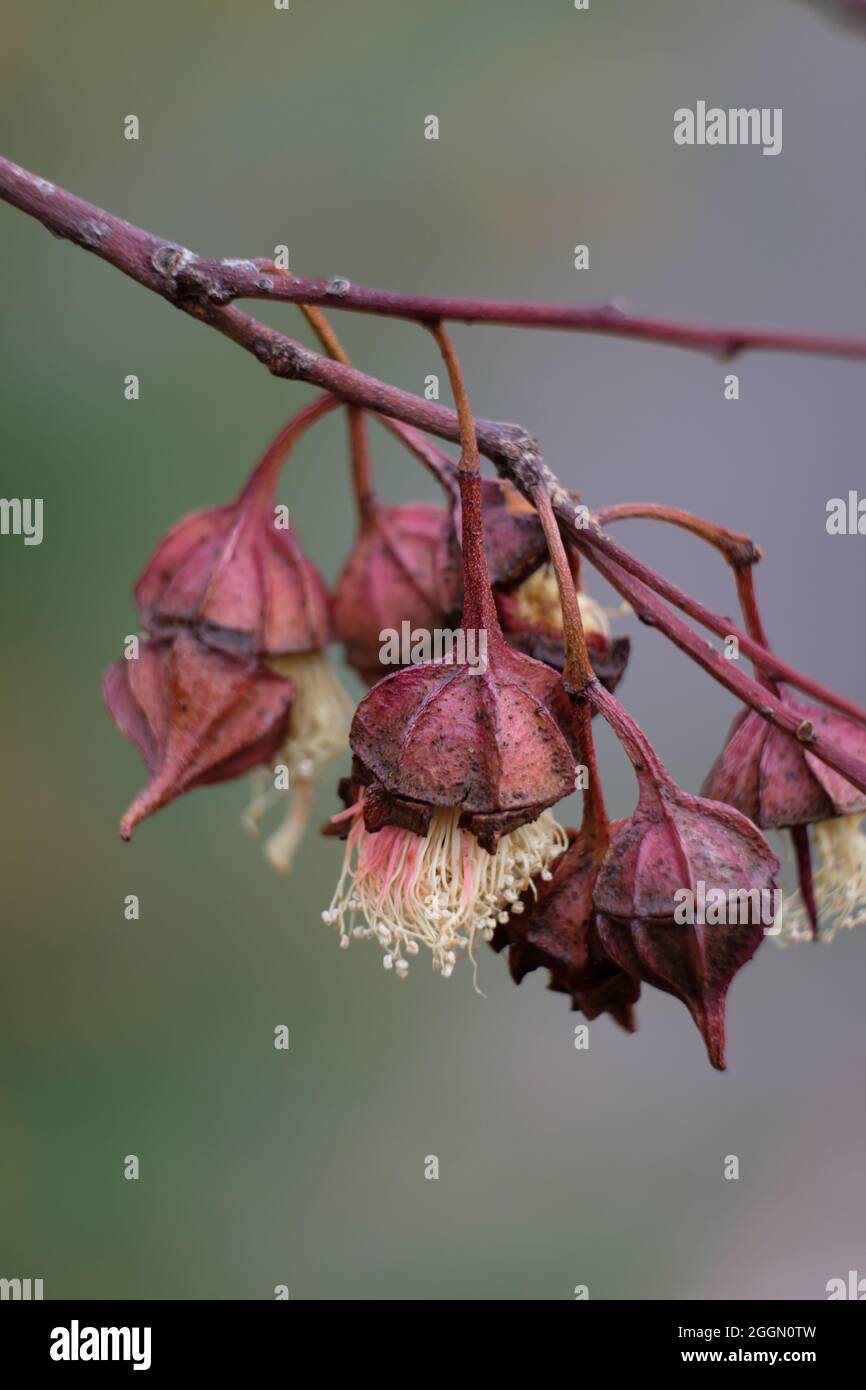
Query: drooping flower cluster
[(232, 673), (405, 569), (455, 767), (451, 837)]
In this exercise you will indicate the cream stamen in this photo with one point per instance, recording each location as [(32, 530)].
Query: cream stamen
[(538, 602), (440, 890), (840, 882), (318, 734)]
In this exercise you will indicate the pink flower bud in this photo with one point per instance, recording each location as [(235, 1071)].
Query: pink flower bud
[(673, 850), (775, 780), (403, 567), (237, 573)]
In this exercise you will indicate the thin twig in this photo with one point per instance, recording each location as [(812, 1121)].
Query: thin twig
[(261, 280), (740, 551), (182, 278), (766, 660), (577, 671), (219, 282), (578, 675), (176, 274), (654, 613)]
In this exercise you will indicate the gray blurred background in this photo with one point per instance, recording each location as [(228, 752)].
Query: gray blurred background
[(558, 1167)]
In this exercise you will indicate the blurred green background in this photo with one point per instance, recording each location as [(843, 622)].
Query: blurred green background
[(306, 1168)]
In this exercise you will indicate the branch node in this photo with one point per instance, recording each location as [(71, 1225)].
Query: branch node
[(90, 233), (744, 553), (217, 293), (282, 359), (168, 259), (731, 349)]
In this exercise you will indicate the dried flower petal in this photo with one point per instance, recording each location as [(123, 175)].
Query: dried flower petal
[(558, 932)]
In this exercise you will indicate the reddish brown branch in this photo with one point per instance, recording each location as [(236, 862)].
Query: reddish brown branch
[(182, 278), (185, 280), (655, 614), (261, 280), (765, 660), (740, 551), (180, 274)]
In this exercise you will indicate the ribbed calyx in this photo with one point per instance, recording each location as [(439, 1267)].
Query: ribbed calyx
[(231, 607), (490, 741), (237, 573), (774, 779), (687, 890), (403, 568), (196, 715)]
